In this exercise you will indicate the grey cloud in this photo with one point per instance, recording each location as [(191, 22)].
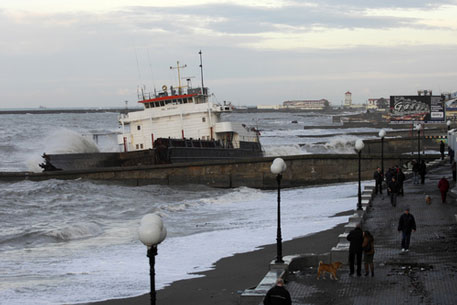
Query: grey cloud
[(236, 19)]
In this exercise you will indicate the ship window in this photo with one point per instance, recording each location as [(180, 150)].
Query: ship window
[(141, 145), (203, 120), (137, 146), (138, 127)]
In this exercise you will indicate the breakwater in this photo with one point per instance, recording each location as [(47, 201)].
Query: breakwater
[(301, 170)]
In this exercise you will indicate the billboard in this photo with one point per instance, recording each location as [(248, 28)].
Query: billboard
[(416, 108)]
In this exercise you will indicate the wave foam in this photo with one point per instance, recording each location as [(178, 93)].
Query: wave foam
[(76, 231)]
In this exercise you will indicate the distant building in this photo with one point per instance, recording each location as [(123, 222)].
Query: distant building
[(348, 99), (275, 107), (307, 104), (379, 104)]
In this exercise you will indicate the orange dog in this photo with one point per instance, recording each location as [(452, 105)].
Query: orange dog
[(330, 268)]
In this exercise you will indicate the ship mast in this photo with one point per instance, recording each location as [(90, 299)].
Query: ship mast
[(179, 75), (201, 69)]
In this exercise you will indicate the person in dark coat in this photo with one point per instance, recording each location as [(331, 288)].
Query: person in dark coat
[(368, 252), (389, 175), (422, 171), (278, 295), (406, 225), (443, 185), (442, 150), (355, 238), (400, 179), (393, 188), (415, 172), (378, 178)]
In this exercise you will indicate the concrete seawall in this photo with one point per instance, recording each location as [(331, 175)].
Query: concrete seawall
[(301, 170)]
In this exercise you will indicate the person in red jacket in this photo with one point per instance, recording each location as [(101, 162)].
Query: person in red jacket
[(443, 185)]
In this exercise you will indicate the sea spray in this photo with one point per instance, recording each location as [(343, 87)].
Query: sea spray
[(62, 141)]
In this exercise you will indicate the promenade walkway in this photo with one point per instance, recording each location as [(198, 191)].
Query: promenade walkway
[(425, 275)]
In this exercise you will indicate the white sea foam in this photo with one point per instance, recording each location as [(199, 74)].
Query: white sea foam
[(62, 141)]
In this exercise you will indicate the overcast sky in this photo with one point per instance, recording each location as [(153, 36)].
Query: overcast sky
[(79, 53)]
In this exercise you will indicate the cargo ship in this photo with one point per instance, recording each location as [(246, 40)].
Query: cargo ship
[(177, 124)]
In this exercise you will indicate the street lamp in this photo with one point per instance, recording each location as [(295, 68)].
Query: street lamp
[(151, 233), (359, 146), (418, 128), (277, 168), (382, 134)]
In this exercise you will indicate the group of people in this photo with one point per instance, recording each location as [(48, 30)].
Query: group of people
[(362, 243), (394, 181)]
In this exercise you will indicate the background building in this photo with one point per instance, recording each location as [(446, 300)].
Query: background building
[(307, 104), (348, 99)]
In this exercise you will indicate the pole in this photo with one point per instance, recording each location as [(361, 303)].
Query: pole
[(382, 156), (278, 235), (201, 70), (152, 252), (359, 203)]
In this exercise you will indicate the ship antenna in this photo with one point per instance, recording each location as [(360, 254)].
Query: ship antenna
[(179, 75), (201, 69)]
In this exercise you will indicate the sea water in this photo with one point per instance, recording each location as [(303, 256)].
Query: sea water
[(76, 241)]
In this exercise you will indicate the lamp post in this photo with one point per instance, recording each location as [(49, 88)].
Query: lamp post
[(382, 134), (277, 168), (359, 146), (418, 128), (151, 233)]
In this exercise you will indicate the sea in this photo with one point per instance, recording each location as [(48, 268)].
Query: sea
[(76, 241)]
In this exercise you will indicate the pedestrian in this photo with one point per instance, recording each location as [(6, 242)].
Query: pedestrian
[(389, 175), (422, 171), (355, 238), (378, 178), (406, 225), (442, 150), (278, 295), (393, 188), (368, 252), (400, 179), (454, 170), (415, 172), (443, 185), (451, 155)]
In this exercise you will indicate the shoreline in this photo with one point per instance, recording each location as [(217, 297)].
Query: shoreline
[(231, 275)]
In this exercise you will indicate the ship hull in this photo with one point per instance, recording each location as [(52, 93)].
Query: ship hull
[(154, 156)]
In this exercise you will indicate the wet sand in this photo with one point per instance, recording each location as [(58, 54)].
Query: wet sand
[(232, 275)]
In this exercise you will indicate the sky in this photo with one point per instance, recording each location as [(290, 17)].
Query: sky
[(86, 53)]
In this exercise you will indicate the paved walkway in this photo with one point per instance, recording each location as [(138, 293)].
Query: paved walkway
[(425, 275)]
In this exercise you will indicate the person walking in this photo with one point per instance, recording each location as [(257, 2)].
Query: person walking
[(422, 171), (389, 175), (400, 179), (378, 178), (415, 172), (406, 225), (355, 238), (393, 188), (443, 185), (442, 150), (368, 252), (278, 295), (454, 171)]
